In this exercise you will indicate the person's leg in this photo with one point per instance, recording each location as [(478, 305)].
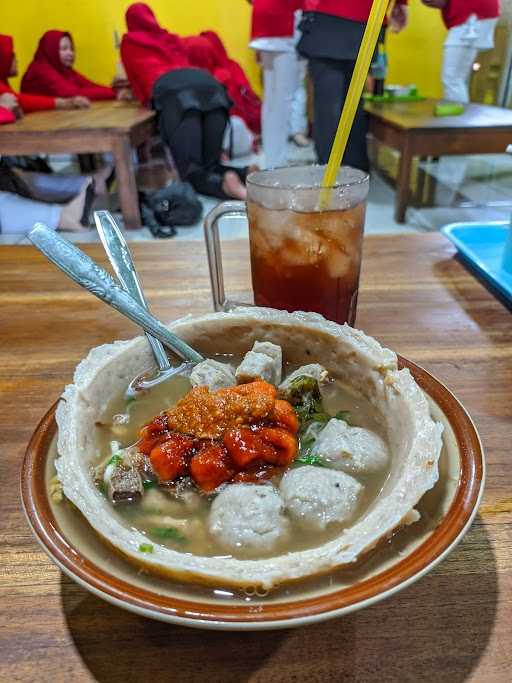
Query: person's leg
[(298, 117), (214, 125), (185, 142), (54, 187), (18, 214), (330, 80), (458, 61), (279, 81)]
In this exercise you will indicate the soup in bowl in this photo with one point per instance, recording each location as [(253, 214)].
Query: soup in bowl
[(291, 451)]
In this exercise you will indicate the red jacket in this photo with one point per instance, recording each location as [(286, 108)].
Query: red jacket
[(355, 10), (207, 51), (457, 12), (28, 103), (148, 51), (46, 75), (273, 18)]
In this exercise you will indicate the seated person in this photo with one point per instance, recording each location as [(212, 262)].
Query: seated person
[(13, 105), (51, 71), (246, 104), (239, 139), (192, 106)]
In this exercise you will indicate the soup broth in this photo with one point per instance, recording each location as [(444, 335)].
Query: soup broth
[(176, 516)]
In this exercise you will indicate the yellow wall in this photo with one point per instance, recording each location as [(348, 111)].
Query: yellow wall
[(92, 22), (414, 55)]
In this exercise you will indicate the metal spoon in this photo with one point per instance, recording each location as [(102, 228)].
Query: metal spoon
[(121, 260), (89, 275)]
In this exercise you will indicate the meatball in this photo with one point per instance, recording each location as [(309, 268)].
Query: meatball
[(212, 374), (353, 450), (316, 497), (264, 361), (248, 518)]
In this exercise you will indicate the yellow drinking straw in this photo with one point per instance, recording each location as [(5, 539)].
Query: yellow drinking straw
[(364, 58)]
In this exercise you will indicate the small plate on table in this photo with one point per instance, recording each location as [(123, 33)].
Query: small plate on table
[(446, 514)]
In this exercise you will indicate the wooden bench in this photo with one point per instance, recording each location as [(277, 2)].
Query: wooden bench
[(413, 130), (115, 127)]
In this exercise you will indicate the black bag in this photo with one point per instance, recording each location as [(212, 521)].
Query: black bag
[(175, 204)]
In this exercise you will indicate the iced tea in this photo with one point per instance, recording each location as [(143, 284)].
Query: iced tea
[(307, 260)]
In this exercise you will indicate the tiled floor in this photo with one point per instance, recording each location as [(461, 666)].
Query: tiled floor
[(469, 188)]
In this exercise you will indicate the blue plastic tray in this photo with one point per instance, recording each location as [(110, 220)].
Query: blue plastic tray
[(482, 246)]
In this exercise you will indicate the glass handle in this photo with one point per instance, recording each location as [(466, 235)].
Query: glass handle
[(213, 250)]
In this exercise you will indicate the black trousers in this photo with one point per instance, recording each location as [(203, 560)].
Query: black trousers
[(331, 78), (196, 146)]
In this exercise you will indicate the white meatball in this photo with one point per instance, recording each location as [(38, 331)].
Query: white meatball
[(316, 497), (264, 361), (212, 374), (248, 517), (353, 450)]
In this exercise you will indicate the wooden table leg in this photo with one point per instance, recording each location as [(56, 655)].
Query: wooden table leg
[(126, 185), (403, 181)]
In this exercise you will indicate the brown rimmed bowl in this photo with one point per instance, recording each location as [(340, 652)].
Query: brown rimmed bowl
[(447, 513)]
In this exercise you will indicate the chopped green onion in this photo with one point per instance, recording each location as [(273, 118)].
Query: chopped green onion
[(146, 548), (129, 400), (167, 532), (101, 486), (310, 460), (149, 484), (320, 417), (115, 447), (343, 415), (116, 459)]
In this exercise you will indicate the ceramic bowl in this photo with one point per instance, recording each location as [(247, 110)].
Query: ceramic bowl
[(446, 514)]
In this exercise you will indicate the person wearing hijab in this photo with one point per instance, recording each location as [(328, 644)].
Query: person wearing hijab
[(471, 25), (192, 106), (51, 71), (332, 31), (17, 104), (246, 103), (238, 138)]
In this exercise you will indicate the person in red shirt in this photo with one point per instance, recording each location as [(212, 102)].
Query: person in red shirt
[(246, 103), (192, 106), (332, 31), (471, 25), (51, 71), (15, 104), (203, 54), (273, 37)]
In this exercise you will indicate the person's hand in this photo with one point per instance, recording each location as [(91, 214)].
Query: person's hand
[(124, 95), (399, 17), (64, 103), (435, 4), (80, 102), (9, 101)]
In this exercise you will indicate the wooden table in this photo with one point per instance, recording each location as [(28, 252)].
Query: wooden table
[(413, 130), (453, 625), (115, 127)]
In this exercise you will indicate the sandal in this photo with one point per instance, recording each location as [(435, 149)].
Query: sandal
[(90, 194)]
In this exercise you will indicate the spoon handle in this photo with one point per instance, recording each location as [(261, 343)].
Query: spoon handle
[(88, 274), (121, 260)]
